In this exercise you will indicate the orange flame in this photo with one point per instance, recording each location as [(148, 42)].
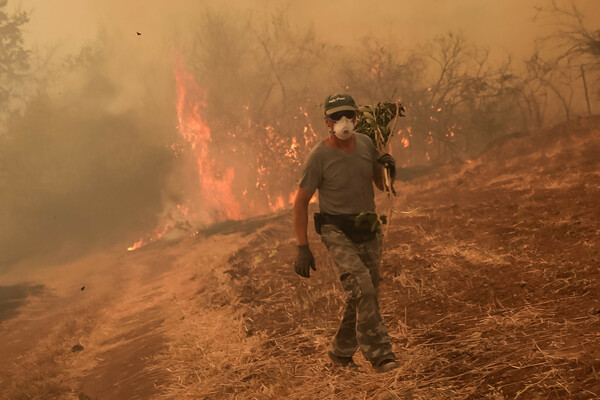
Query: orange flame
[(157, 234), (217, 198), (136, 245)]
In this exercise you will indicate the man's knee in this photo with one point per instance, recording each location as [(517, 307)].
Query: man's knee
[(357, 288)]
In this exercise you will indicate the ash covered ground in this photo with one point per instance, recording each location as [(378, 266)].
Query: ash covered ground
[(490, 290)]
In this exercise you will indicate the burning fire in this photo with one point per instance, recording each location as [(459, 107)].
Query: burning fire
[(217, 200), (157, 234), (136, 245), (215, 183), (405, 142)]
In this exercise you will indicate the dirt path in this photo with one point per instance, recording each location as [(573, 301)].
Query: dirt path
[(116, 306)]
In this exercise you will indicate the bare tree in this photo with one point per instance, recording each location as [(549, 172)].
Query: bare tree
[(14, 58), (456, 100), (380, 71), (553, 78), (470, 100), (572, 49), (572, 35), (259, 72)]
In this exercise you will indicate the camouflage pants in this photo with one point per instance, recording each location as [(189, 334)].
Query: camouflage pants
[(358, 268)]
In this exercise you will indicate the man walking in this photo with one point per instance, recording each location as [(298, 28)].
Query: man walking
[(343, 167)]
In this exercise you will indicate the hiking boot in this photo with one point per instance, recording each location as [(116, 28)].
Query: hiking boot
[(386, 365), (340, 360)]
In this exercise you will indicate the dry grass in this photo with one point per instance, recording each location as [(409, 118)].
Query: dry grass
[(489, 291), (43, 372), (477, 305), (269, 341)]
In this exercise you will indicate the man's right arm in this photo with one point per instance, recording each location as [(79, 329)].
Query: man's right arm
[(301, 215)]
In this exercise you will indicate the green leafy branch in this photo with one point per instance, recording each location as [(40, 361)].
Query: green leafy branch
[(374, 121)]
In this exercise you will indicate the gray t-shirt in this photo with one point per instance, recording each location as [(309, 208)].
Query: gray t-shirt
[(345, 181)]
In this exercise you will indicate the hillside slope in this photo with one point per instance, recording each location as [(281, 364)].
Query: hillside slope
[(490, 290)]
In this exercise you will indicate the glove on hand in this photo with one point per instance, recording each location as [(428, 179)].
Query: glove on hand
[(304, 262), (389, 163)]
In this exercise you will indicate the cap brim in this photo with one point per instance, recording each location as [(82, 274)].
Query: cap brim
[(340, 108)]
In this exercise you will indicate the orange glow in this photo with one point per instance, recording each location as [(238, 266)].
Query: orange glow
[(215, 182), (375, 69), (405, 142), (216, 198), (279, 204), (136, 245), (157, 234)]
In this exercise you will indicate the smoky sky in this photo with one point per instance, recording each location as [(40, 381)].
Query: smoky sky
[(502, 25)]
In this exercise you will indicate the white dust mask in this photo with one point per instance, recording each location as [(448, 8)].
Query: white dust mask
[(344, 128)]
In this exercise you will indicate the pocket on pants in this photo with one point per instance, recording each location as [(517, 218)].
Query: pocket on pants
[(350, 285)]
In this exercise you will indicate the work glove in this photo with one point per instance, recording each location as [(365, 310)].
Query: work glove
[(389, 163), (304, 262)]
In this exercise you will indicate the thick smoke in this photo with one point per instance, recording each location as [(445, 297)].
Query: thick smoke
[(87, 161), (94, 157)]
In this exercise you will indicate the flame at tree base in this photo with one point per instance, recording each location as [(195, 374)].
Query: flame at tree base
[(214, 199), (216, 196)]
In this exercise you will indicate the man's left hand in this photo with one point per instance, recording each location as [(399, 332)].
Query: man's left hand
[(389, 163), (305, 261)]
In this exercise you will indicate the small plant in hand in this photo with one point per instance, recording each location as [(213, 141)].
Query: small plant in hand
[(374, 121)]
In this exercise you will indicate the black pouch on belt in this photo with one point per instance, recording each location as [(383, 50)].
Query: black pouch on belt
[(347, 223)]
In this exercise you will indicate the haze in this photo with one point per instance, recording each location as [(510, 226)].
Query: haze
[(149, 158), (502, 25), (107, 107)]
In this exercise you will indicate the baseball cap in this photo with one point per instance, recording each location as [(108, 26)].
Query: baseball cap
[(339, 102)]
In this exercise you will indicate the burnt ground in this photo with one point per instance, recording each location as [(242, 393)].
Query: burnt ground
[(13, 297), (490, 290)]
